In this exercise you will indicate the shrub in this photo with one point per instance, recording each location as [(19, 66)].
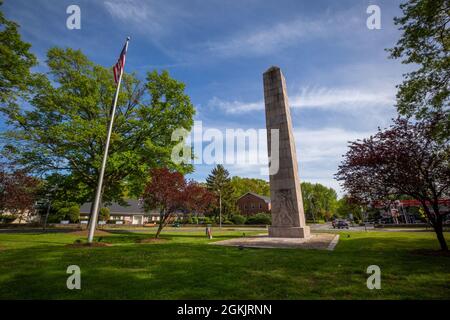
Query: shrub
[(228, 222), (104, 214), (259, 218), (207, 220), (238, 219), (73, 214)]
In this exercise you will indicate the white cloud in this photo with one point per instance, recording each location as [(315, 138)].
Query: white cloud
[(319, 152), (154, 18), (321, 98), (266, 41), (325, 98), (235, 106)]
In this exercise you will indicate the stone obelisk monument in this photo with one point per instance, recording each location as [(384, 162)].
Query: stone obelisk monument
[(288, 218)]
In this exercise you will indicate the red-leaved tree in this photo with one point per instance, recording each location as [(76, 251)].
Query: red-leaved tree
[(169, 192), (18, 191), (405, 159)]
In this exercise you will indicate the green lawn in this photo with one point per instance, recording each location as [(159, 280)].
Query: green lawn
[(33, 266)]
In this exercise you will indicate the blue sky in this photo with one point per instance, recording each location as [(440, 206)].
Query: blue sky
[(340, 82)]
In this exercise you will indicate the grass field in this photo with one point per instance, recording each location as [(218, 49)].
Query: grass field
[(185, 266)]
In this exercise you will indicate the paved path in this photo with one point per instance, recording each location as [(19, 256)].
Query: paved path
[(321, 241)]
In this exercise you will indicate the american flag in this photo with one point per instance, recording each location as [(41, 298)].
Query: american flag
[(118, 67)]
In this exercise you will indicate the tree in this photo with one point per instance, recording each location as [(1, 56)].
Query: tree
[(425, 42), (319, 201), (104, 214), (243, 185), (18, 191), (404, 159), (219, 182), (169, 192), (15, 64), (63, 134), (198, 199), (346, 206)]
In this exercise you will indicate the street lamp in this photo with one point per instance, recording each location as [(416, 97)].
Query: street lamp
[(312, 207), (49, 196), (220, 209)]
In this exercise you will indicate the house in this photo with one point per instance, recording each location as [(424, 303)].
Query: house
[(133, 213), (252, 203)]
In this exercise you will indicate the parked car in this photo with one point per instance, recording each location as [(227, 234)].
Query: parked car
[(340, 224)]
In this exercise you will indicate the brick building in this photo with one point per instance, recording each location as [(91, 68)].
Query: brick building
[(252, 203)]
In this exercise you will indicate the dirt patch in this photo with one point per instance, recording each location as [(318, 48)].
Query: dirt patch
[(151, 240), (85, 233), (89, 245), (436, 253)]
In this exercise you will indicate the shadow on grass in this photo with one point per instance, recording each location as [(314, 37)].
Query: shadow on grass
[(180, 269)]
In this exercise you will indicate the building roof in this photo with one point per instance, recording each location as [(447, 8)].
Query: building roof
[(134, 207), (266, 199)]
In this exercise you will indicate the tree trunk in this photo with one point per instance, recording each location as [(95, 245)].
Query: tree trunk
[(437, 225), (440, 236), (438, 228), (159, 229), (162, 223)]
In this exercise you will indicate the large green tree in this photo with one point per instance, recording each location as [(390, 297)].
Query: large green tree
[(219, 182), (243, 185), (347, 206), (63, 133), (319, 201), (424, 44), (15, 63)]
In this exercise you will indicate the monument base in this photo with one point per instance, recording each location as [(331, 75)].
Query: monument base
[(289, 232)]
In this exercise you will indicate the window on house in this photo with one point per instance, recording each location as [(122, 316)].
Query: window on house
[(253, 206), (260, 205)]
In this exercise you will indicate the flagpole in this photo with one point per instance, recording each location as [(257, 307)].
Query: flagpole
[(98, 194)]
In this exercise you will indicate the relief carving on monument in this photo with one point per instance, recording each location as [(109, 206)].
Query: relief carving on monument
[(284, 207)]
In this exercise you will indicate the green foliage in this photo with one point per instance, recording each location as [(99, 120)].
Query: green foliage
[(15, 63), (207, 220), (192, 220), (260, 218), (425, 43), (63, 133), (238, 219), (64, 210), (104, 214), (73, 214), (243, 185), (220, 184), (319, 201), (346, 206)]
